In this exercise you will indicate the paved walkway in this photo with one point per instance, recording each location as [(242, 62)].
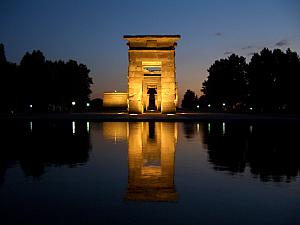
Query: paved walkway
[(180, 116)]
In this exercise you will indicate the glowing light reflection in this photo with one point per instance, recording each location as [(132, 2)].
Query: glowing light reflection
[(73, 127), (223, 125), (88, 127)]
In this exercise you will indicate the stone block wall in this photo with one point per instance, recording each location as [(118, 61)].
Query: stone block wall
[(159, 50), (115, 99)]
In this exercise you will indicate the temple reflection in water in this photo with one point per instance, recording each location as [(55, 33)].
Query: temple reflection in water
[(151, 157)]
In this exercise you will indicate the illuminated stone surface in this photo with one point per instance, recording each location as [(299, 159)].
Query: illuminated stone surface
[(152, 73), (115, 99)]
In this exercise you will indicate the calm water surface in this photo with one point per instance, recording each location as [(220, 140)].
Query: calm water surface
[(66, 172)]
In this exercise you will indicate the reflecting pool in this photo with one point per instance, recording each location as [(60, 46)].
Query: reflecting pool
[(79, 172)]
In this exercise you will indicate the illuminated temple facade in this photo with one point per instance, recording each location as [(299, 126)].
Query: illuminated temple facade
[(152, 73), (151, 158)]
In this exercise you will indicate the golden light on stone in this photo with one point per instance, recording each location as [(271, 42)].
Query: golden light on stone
[(152, 73), (115, 99)]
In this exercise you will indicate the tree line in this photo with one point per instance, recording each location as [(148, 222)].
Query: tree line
[(269, 83), (40, 85)]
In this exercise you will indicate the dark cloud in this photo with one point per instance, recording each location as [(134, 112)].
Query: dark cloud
[(228, 53), (218, 34), (282, 42), (247, 47)]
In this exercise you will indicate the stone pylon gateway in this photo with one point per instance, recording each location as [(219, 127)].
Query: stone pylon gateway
[(152, 73)]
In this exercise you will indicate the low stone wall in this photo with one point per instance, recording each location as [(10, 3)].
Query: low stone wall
[(115, 99)]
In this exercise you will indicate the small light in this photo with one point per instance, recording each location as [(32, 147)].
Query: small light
[(73, 103), (133, 114), (88, 104), (198, 106), (208, 105), (73, 127), (170, 114), (30, 106), (115, 91), (223, 104), (88, 127), (250, 108)]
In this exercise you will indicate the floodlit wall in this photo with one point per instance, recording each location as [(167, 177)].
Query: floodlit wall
[(115, 99), (157, 52)]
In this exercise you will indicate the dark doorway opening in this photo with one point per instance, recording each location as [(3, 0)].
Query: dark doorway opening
[(152, 92)]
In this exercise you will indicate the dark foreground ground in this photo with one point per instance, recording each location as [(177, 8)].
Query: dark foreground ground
[(180, 116)]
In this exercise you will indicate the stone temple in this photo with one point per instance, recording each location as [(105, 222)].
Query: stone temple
[(151, 75)]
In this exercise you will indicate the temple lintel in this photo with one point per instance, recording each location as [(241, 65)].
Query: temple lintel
[(126, 37), (163, 42)]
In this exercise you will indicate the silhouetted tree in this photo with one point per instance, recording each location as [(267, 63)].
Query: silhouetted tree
[(189, 100), (32, 85), (290, 81), (39, 85), (7, 83), (273, 80), (96, 104), (2, 54), (269, 83), (226, 82)]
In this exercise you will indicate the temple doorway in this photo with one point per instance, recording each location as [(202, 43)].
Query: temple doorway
[(152, 103)]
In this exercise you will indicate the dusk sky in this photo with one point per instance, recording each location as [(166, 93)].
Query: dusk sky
[(91, 32)]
